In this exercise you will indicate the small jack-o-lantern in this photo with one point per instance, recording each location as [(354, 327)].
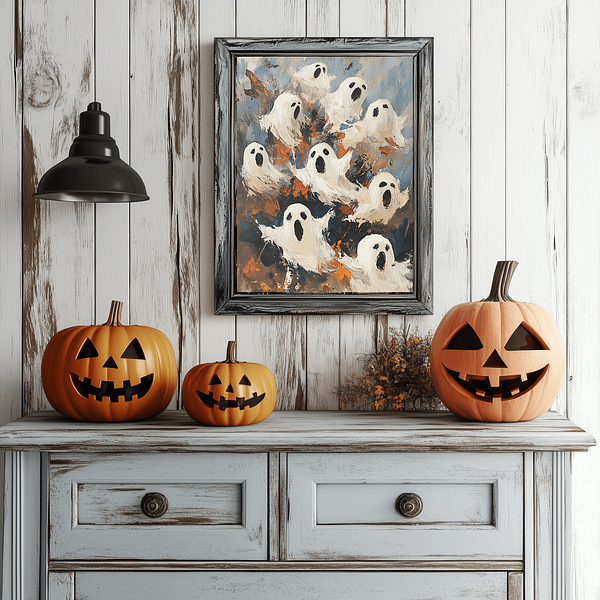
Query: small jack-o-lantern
[(229, 392), (497, 360), (109, 372)]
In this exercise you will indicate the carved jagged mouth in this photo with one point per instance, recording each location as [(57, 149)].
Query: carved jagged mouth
[(222, 403), (107, 389), (510, 387)]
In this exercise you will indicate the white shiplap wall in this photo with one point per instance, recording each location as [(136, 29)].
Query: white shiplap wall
[(517, 123)]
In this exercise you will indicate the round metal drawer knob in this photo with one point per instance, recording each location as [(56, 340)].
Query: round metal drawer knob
[(409, 505), (154, 504)]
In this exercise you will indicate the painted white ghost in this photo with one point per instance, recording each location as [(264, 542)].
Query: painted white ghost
[(313, 80), (345, 104), (375, 269), (380, 124), (384, 198), (325, 174), (258, 173), (301, 238), (285, 119)]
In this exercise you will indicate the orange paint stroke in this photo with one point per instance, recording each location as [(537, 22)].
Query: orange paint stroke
[(257, 89)]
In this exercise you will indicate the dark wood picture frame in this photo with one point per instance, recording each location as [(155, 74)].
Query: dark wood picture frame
[(228, 300)]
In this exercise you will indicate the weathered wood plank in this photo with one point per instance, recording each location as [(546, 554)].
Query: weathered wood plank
[(11, 302), (61, 586), (583, 284), (216, 19), (294, 585), (22, 535), (111, 89), (274, 507), (488, 145), (515, 586), (449, 25), (164, 141), (58, 240), (301, 431), (535, 157), (279, 342), (259, 565)]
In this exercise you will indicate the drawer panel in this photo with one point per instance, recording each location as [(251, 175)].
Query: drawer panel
[(195, 502), (212, 585), (217, 506), (344, 506)]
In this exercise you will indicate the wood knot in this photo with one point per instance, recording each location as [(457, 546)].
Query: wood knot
[(44, 85)]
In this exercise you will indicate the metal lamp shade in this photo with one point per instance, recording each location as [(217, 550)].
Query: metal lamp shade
[(93, 172)]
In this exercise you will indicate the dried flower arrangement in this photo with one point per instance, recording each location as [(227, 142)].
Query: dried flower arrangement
[(397, 377)]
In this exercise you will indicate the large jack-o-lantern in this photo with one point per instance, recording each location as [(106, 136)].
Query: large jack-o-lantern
[(229, 392), (109, 372), (498, 360)]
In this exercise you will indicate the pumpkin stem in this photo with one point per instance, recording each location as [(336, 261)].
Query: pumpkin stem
[(502, 278), (231, 358), (114, 316)]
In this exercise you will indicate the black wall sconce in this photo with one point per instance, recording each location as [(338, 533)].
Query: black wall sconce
[(93, 172)]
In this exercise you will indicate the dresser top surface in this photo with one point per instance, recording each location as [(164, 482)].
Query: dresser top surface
[(303, 431)]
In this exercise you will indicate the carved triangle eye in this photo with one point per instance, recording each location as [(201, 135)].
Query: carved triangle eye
[(214, 380), (134, 350), (88, 350), (465, 339), (245, 381), (524, 339)]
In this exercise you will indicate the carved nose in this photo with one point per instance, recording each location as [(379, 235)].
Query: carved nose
[(494, 360), (110, 363)]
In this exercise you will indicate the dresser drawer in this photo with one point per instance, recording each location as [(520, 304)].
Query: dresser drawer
[(347, 506), (213, 585), (216, 506)]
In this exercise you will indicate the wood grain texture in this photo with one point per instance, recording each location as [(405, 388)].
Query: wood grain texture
[(294, 586), (488, 144), (111, 88), (515, 586), (11, 304), (583, 285), (301, 431), (259, 565), (61, 586), (449, 24), (274, 507), (536, 164), (216, 19), (164, 140), (58, 237)]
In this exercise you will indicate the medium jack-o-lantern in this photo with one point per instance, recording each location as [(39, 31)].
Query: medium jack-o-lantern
[(497, 360), (109, 372), (229, 392)]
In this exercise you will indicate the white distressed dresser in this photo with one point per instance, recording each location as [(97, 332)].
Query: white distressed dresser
[(304, 505)]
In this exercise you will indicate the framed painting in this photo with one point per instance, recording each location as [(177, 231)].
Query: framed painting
[(323, 175)]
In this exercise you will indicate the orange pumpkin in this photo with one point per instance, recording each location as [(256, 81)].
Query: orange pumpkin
[(229, 392), (498, 360), (109, 372)]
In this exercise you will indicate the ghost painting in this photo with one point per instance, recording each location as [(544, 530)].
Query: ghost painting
[(323, 189)]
